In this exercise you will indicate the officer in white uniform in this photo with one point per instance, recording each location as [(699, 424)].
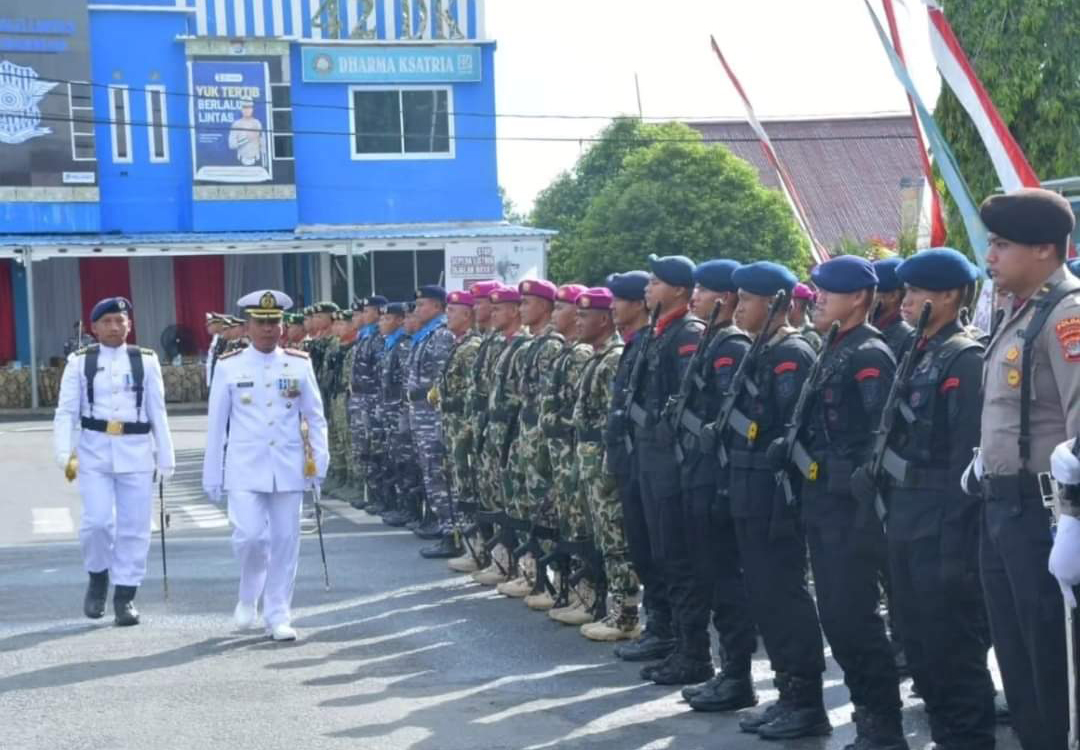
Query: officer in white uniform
[(260, 399), (115, 394)]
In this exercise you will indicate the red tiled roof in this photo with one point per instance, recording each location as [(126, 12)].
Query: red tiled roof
[(849, 172)]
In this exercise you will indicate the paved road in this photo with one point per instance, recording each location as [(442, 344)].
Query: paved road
[(400, 653)]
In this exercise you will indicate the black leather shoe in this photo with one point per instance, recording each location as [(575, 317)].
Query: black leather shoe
[(682, 671), (445, 548), (124, 606), (648, 647), (429, 531), (725, 692), (97, 591)]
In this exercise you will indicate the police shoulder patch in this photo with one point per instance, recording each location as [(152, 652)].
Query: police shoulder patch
[(297, 353), (1068, 335)]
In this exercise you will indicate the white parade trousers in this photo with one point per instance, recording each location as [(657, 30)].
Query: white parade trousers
[(115, 526), (266, 542)]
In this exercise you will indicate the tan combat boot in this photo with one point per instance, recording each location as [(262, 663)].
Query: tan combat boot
[(580, 610), (621, 622), (520, 587), (493, 574)]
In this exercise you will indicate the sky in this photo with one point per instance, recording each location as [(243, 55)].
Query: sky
[(799, 58)]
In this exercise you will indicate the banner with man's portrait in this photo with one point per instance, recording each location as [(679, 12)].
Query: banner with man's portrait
[(231, 111)]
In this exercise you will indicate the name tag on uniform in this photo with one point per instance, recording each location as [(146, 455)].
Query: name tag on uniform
[(128, 381), (289, 387), (246, 384)]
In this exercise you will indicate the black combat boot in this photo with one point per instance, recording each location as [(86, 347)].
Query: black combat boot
[(751, 723), (657, 642), (878, 731), (97, 591), (801, 712), (445, 548), (680, 670), (429, 530), (730, 690), (124, 606)]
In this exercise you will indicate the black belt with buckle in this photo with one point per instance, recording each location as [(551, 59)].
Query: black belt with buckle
[(115, 427)]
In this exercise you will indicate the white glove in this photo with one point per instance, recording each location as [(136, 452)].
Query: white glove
[(166, 472), (1065, 557), (214, 493), (973, 474), (1064, 465), (61, 460)]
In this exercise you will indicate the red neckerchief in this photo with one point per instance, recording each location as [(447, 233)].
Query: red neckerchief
[(670, 318)]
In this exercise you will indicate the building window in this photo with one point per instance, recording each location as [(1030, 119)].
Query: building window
[(401, 123), (157, 124), (120, 116), (81, 112), (281, 111)]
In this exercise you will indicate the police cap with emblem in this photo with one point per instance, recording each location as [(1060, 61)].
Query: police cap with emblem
[(431, 291), (715, 275), (937, 269), (1030, 216), (265, 304), (110, 305), (764, 278), (629, 286), (885, 269), (674, 270), (844, 274)]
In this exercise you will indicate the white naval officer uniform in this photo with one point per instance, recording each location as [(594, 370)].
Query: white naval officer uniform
[(260, 399), (115, 471)]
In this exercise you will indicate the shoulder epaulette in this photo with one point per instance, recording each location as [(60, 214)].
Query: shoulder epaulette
[(228, 354), (297, 353), (85, 349), (147, 352)]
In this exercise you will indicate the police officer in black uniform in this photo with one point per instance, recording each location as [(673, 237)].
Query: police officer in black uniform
[(771, 543), (842, 413), (668, 352), (631, 317), (710, 541), (887, 317), (932, 527)]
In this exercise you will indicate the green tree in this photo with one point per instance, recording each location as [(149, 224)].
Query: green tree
[(679, 196), (509, 208), (1025, 55)]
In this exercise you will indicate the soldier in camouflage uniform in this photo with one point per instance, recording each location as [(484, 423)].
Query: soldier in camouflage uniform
[(336, 388), (318, 319), (597, 489), (431, 346), (364, 385), (393, 416), (501, 414), (527, 476)]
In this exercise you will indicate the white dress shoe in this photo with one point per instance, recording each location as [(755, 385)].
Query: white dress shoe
[(283, 631), (245, 615)]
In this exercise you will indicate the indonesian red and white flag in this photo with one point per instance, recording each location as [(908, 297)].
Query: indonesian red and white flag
[(818, 251)]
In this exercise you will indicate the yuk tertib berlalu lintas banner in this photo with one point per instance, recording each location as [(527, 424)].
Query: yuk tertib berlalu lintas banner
[(231, 112)]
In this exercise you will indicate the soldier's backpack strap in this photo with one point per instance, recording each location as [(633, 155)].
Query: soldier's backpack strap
[(1043, 309), (944, 357), (90, 371), (138, 374)]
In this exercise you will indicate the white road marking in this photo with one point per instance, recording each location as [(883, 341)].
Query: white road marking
[(53, 521)]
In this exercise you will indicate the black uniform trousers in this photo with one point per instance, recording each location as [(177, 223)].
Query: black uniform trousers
[(846, 583), (773, 559), (1027, 618), (717, 571), (655, 595), (937, 600)]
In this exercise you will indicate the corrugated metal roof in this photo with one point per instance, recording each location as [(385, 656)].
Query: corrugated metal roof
[(314, 234), (849, 172)]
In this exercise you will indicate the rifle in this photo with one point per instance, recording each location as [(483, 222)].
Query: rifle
[(794, 451), (728, 414), (883, 459), (629, 408), (691, 378)]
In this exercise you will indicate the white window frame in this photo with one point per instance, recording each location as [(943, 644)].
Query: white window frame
[(451, 154), (116, 89), (151, 125), (88, 109)]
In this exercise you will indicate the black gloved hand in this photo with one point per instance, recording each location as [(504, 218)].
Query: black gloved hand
[(777, 453), (863, 486)]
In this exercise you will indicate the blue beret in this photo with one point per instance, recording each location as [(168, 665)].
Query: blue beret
[(431, 291), (676, 270), (844, 274), (938, 269), (392, 308), (629, 286), (885, 269), (715, 275), (110, 305), (764, 278), (377, 300)]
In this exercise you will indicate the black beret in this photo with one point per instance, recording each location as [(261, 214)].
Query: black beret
[(886, 274), (629, 286), (938, 269), (1030, 216), (764, 278), (676, 270), (715, 275)]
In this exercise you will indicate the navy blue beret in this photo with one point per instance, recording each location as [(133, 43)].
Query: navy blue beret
[(110, 305), (844, 274), (715, 275), (629, 286), (377, 300), (431, 291), (938, 269), (1030, 216), (676, 270), (764, 278), (392, 308), (885, 269)]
